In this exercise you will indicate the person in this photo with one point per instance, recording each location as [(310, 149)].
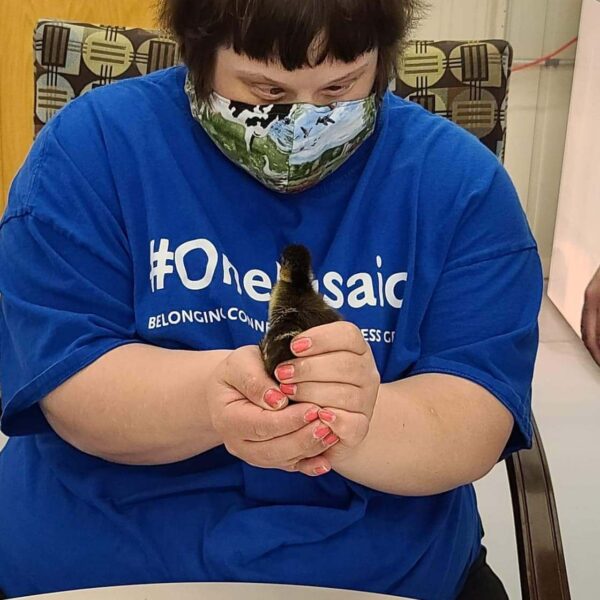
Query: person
[(590, 319), (138, 250)]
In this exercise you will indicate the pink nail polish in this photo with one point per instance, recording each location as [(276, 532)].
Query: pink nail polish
[(301, 345), (322, 431), (288, 389), (312, 415), (285, 372), (274, 398), (321, 470), (327, 416), (331, 439)]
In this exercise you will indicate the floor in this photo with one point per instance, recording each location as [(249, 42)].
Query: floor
[(567, 407), (566, 397)]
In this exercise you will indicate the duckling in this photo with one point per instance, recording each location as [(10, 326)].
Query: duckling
[(295, 307)]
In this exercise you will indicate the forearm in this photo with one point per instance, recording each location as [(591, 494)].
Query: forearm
[(429, 434), (139, 405)]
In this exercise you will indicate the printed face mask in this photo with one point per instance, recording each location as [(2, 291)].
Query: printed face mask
[(287, 147)]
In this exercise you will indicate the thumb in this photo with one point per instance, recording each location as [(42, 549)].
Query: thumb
[(244, 370)]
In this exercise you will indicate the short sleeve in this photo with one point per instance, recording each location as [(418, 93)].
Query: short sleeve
[(65, 273), (482, 320)]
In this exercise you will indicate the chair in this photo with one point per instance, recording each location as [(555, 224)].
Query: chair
[(463, 81), (466, 82)]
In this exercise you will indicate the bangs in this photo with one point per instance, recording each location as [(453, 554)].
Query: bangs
[(295, 33), (301, 33)]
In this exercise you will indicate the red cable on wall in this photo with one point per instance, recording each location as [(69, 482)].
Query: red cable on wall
[(543, 59)]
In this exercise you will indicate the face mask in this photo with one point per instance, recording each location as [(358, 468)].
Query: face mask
[(287, 147)]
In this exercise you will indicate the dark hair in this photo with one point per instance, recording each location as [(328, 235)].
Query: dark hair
[(285, 30)]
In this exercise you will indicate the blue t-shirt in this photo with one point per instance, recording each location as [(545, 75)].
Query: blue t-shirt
[(127, 224)]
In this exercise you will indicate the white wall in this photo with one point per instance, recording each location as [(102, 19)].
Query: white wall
[(576, 253), (539, 111), (463, 20), (539, 97)]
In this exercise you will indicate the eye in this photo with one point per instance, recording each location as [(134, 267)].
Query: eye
[(270, 92), (339, 88)]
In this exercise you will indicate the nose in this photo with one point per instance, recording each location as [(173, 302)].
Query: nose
[(307, 97)]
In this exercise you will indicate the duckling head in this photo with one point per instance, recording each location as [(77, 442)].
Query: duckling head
[(296, 268)]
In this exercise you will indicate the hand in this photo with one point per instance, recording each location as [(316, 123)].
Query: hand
[(590, 319), (250, 414), (336, 371)]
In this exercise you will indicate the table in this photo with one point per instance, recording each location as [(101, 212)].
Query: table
[(212, 591)]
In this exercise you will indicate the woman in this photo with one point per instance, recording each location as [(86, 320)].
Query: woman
[(138, 249)]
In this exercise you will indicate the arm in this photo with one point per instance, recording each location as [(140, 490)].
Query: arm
[(590, 318), (138, 405), (429, 434)]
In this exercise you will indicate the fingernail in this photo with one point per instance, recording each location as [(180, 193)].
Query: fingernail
[(274, 398), (327, 416), (301, 345), (321, 432), (288, 389), (285, 372), (331, 439), (321, 470), (312, 415)]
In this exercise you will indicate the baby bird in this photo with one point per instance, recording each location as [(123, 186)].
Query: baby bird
[(295, 307)]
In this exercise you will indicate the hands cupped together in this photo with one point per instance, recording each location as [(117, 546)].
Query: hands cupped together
[(334, 383)]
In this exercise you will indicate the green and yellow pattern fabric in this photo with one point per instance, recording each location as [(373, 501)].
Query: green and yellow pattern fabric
[(74, 58), (466, 82)]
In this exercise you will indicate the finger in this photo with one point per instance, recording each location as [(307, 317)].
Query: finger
[(333, 337), (313, 467), (334, 395), (351, 428), (586, 316), (244, 370), (590, 318), (335, 367), (288, 450), (589, 323), (593, 339), (252, 423)]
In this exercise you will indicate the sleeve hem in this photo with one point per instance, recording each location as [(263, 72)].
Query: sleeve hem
[(521, 436), (490, 254), (22, 414)]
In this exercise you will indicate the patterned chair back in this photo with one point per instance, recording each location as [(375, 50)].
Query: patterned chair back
[(466, 82)]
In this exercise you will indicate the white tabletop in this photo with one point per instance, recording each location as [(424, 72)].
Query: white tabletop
[(211, 591)]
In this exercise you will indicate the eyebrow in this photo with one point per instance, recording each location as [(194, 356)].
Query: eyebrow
[(254, 75), (359, 71)]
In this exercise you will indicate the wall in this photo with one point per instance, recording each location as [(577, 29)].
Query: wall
[(576, 253), (17, 22), (538, 116)]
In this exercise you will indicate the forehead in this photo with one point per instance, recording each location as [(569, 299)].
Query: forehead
[(230, 63)]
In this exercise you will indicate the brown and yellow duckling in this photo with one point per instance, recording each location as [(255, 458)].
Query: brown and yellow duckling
[(294, 308)]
